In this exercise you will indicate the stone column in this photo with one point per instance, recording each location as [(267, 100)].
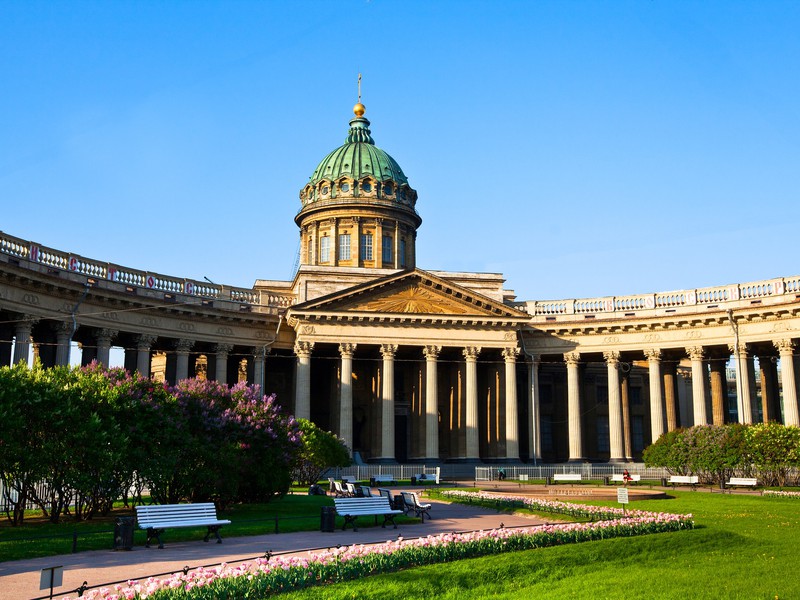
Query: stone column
[(259, 361), (574, 406), (143, 344), (388, 351), (103, 339), (624, 388), (696, 354), (346, 394), (744, 375), (302, 396), (770, 394), (221, 363), (473, 448), (616, 443), (670, 380), (431, 402), (656, 397), (512, 418), (63, 341), (182, 349), (534, 420), (23, 338), (719, 390), (790, 409)]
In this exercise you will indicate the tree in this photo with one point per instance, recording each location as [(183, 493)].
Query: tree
[(321, 451)]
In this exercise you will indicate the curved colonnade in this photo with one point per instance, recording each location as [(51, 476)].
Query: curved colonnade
[(492, 380)]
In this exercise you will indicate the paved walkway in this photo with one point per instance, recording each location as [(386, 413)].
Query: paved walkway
[(19, 580)]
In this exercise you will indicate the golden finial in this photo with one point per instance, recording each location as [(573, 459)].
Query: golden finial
[(359, 109)]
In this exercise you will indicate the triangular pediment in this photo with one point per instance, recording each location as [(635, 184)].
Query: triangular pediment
[(410, 293)]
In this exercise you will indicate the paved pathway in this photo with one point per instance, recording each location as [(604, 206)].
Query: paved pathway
[(19, 580)]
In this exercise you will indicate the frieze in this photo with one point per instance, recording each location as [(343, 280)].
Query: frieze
[(189, 327), (149, 322), (307, 330), (224, 331), (110, 316), (31, 299)]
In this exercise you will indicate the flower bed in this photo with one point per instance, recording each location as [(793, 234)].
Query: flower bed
[(283, 573), (781, 494)]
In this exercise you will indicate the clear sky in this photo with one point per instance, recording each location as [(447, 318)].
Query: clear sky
[(581, 148)]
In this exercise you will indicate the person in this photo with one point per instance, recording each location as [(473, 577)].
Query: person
[(626, 477), (501, 473)]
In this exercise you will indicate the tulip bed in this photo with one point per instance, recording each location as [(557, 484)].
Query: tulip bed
[(781, 494), (268, 576)]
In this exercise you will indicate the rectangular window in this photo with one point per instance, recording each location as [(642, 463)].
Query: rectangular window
[(387, 249), (602, 394), (638, 433), (366, 246), (603, 441), (547, 433), (636, 396), (402, 253), (344, 246), (324, 249)]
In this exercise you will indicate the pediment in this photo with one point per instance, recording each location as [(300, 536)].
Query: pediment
[(411, 293)]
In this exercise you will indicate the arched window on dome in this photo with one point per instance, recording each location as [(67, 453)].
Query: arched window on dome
[(388, 189)]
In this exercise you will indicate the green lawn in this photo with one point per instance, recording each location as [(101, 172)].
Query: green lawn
[(743, 547)]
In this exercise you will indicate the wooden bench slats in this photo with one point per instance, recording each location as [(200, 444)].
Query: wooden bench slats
[(351, 508), (158, 517)]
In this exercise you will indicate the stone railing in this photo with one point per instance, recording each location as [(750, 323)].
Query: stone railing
[(231, 297), (729, 296)]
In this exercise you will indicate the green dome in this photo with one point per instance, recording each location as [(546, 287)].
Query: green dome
[(359, 157)]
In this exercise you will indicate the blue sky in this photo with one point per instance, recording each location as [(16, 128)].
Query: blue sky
[(581, 148)]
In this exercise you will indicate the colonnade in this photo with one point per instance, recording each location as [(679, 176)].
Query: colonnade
[(429, 397)]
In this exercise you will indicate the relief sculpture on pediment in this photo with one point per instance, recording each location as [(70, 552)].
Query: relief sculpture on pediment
[(413, 299)]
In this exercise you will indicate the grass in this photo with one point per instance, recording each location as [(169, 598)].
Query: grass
[(38, 537), (744, 547)]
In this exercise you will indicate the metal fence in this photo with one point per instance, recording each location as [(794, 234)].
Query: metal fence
[(585, 470)]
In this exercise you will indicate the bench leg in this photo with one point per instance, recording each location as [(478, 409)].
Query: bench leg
[(349, 519), (388, 518), (154, 533), (215, 530)]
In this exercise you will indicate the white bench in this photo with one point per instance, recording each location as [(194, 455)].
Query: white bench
[(691, 480), (425, 477), (351, 508), (522, 477), (742, 481), (569, 477), (156, 518), (411, 502), (621, 477), (382, 478)]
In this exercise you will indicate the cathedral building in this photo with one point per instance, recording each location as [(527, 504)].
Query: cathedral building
[(410, 365)]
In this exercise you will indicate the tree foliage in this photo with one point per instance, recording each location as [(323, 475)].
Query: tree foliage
[(76, 440), (768, 451), (321, 451)]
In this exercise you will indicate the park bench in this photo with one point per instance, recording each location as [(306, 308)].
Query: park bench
[(338, 490), (366, 492), (424, 477), (742, 482), (351, 508), (691, 480), (620, 477), (566, 477), (382, 478), (156, 518), (411, 502)]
